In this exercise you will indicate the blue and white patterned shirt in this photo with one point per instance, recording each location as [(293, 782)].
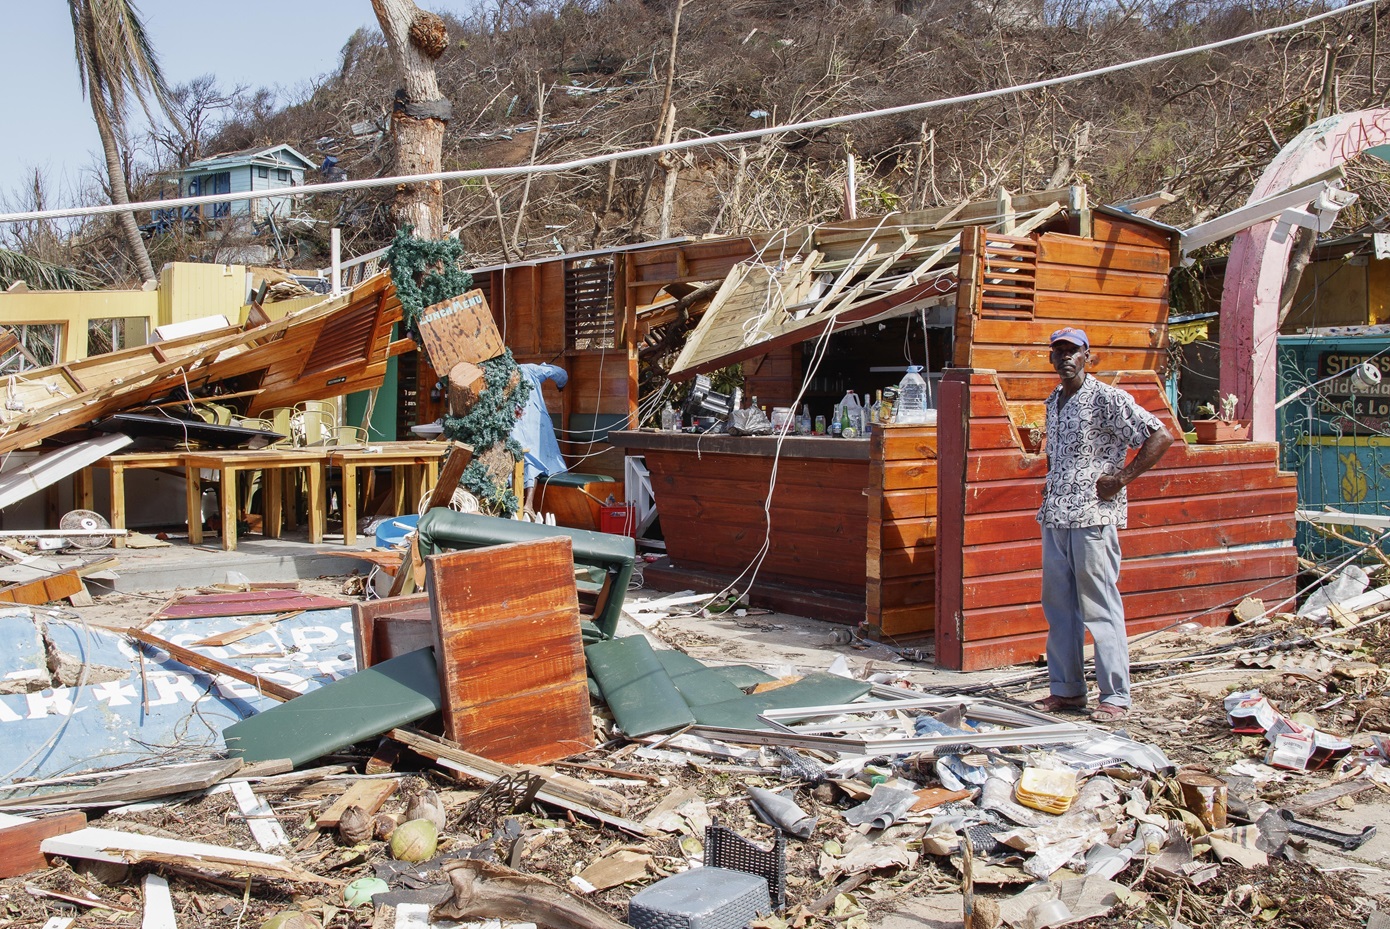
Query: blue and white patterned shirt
[(1088, 437)]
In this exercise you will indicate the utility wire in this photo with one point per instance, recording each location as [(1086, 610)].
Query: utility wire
[(683, 145)]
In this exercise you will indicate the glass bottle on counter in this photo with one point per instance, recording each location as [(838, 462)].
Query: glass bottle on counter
[(669, 421), (849, 415), (836, 421)]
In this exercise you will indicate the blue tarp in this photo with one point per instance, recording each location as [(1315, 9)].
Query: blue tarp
[(163, 711)]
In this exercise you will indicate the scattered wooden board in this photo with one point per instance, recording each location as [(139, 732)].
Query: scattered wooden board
[(245, 632), (369, 795), (129, 848), (211, 665), (141, 785), (245, 603), (260, 818), (159, 905), (20, 837), (92, 902), (44, 589)]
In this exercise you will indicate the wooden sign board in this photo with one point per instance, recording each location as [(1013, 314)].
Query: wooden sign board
[(460, 329)]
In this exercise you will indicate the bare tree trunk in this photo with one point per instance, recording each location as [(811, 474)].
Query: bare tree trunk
[(1299, 257), (666, 122), (121, 194), (417, 38)]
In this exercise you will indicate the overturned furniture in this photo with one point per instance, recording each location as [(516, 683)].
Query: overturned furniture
[(503, 624), (443, 529)]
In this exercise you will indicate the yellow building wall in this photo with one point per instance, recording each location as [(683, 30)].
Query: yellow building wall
[(73, 310), (1331, 293), (191, 291), (1378, 291), (187, 290)]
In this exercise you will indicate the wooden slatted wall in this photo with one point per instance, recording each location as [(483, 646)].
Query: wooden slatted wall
[(900, 563), (1207, 526), (818, 530)]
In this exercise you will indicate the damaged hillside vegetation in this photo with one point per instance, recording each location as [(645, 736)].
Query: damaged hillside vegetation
[(551, 82)]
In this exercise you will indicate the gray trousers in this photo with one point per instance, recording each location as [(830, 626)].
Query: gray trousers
[(1080, 594)]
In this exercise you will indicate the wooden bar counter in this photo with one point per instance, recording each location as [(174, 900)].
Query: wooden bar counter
[(710, 491)]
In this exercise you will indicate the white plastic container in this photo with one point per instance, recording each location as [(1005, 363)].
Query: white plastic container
[(912, 397)]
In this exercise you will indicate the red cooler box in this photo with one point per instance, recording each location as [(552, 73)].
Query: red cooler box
[(618, 519)]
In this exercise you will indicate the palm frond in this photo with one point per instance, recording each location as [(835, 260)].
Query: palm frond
[(41, 275), (116, 60)]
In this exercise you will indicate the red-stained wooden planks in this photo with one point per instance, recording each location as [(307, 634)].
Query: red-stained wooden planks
[(246, 603), (1208, 526), (510, 654), (900, 559)]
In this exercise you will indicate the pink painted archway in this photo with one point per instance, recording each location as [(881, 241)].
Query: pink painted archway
[(1255, 273)]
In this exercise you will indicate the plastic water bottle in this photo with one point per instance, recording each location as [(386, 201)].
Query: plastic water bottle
[(912, 397)]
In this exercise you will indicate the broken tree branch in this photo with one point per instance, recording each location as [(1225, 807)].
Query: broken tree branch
[(492, 891)]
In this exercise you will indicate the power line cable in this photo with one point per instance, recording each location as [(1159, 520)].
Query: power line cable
[(682, 145)]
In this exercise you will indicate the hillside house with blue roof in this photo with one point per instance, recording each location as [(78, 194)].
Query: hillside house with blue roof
[(251, 169)]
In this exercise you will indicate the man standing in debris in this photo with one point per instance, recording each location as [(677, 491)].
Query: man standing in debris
[(1090, 428)]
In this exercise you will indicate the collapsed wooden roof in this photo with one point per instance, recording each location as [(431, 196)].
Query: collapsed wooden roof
[(844, 274), (334, 347)]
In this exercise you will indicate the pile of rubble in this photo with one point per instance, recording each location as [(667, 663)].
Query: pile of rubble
[(892, 795)]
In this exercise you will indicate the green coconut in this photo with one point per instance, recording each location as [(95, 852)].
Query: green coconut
[(291, 919), (414, 841), (361, 891)]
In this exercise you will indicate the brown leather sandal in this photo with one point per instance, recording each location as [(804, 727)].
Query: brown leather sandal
[(1054, 703), (1109, 713)]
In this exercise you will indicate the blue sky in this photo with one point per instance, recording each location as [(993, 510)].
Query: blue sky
[(260, 43)]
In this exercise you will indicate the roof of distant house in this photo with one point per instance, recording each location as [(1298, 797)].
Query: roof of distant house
[(270, 156)]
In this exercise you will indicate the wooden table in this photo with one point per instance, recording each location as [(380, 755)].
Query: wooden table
[(402, 458), (118, 465), (314, 461)]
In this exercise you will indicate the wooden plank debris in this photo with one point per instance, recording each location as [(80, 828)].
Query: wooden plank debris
[(245, 603), (129, 787), (159, 905), (567, 793), (43, 590), (245, 632), (90, 902), (130, 848), (211, 665), (260, 818), (510, 652), (450, 473), (370, 795), (20, 837)]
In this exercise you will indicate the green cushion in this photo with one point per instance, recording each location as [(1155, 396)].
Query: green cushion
[(697, 683), (360, 706), (573, 479), (815, 689), (642, 696)]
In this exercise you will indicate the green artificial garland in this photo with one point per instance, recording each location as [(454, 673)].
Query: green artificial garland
[(426, 272)]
